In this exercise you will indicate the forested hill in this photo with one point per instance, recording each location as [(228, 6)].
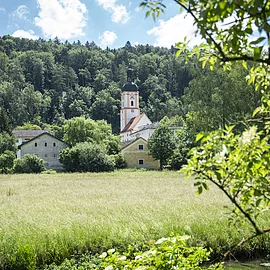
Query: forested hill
[(46, 82)]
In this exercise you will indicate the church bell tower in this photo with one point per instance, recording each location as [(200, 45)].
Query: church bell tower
[(129, 101)]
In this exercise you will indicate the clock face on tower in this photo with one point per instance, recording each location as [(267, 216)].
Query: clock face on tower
[(132, 97)]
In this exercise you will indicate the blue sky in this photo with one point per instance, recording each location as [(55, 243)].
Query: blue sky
[(106, 22)]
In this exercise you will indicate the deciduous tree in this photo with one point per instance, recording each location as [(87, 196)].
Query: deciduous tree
[(162, 143)]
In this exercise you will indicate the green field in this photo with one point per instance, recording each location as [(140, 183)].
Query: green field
[(45, 218)]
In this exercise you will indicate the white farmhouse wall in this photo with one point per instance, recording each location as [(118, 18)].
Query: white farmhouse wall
[(47, 148)]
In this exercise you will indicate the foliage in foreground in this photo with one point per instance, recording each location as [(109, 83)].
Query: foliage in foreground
[(164, 254), (29, 164), (237, 164)]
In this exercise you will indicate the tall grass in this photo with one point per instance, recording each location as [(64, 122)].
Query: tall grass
[(46, 218)]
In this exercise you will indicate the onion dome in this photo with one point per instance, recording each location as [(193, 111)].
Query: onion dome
[(130, 86)]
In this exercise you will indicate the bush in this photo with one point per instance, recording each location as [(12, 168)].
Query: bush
[(119, 161), (86, 157), (165, 254), (177, 160), (29, 164), (7, 161)]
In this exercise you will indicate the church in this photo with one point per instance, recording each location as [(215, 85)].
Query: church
[(135, 128)]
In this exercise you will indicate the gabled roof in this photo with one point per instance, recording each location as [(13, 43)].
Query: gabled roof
[(28, 133), (126, 143), (40, 135), (129, 143), (148, 126), (133, 122)]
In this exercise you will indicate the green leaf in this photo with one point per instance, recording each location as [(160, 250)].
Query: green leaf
[(205, 186), (222, 5), (244, 64), (200, 190), (257, 110), (153, 16), (199, 136), (257, 41), (257, 52)]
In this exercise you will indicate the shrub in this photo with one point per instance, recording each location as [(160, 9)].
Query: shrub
[(86, 157), (177, 160), (165, 254), (29, 164), (119, 161), (7, 161)]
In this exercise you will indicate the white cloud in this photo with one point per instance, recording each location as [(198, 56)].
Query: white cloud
[(120, 13), (174, 30), (2, 9), (30, 34), (21, 12), (108, 38), (61, 18)]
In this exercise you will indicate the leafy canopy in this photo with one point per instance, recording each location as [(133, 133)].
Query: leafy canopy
[(81, 129), (228, 27)]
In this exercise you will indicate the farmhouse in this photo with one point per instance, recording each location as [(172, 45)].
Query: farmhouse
[(42, 144), (135, 128), (137, 155)]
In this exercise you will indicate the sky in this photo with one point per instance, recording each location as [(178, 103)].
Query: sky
[(106, 22)]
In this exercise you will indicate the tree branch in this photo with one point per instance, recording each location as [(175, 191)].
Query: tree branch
[(243, 241), (223, 57), (233, 200)]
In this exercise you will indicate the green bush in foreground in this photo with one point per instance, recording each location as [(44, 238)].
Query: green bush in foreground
[(86, 157), (29, 164), (165, 254)]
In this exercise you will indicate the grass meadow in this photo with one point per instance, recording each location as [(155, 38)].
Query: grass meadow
[(48, 217)]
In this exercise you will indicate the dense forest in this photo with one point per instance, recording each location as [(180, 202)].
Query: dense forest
[(46, 82)]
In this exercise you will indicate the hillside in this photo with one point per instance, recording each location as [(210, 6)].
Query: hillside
[(46, 82)]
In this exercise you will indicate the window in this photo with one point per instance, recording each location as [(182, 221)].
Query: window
[(54, 144), (132, 103), (45, 144), (35, 144), (132, 110), (45, 155), (140, 147), (140, 161)]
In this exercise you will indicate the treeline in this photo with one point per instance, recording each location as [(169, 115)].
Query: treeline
[(47, 82)]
